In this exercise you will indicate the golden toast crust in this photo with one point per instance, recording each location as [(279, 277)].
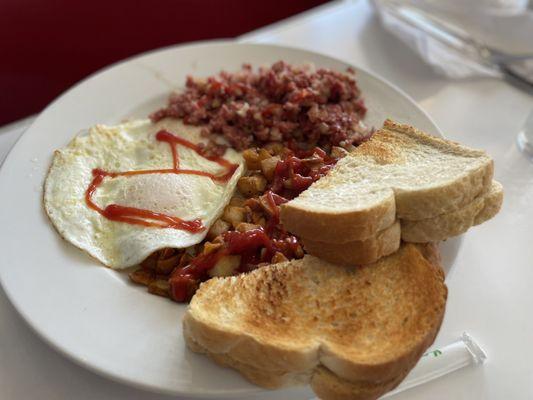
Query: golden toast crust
[(364, 324), (361, 205), (357, 252)]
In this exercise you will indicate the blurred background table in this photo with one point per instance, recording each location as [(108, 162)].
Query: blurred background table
[(489, 288)]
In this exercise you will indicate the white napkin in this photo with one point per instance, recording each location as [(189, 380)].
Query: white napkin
[(506, 25)]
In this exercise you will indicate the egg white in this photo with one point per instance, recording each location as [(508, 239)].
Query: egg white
[(126, 147)]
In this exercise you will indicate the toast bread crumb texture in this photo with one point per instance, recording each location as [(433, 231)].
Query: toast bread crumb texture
[(435, 229), (444, 226), (399, 173), (329, 386), (357, 252), (278, 324)]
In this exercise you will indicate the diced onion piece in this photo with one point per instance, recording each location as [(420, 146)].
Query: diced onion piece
[(234, 215), (218, 228), (268, 166), (226, 266), (251, 186)]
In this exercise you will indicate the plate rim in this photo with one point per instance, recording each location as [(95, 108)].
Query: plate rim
[(73, 357)]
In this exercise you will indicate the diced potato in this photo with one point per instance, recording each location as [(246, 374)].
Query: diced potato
[(142, 276), (237, 200), (275, 134), (245, 227), (165, 266), (211, 247), (299, 253), (251, 157), (185, 258), (234, 215), (338, 152), (313, 161), (218, 228), (251, 186), (279, 257), (258, 218), (247, 214), (265, 205), (219, 239), (160, 287), (253, 204), (150, 261), (268, 166), (263, 154), (226, 266), (274, 148), (166, 253)]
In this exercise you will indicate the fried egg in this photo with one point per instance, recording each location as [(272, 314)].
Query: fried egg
[(132, 146)]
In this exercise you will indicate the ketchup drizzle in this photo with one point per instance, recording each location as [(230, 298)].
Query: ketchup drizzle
[(138, 216), (258, 245)]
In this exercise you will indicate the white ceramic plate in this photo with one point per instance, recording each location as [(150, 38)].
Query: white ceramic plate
[(90, 313)]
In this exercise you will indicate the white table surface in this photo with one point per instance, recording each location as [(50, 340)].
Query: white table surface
[(491, 286)]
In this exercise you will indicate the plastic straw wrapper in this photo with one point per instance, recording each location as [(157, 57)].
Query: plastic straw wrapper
[(441, 361)]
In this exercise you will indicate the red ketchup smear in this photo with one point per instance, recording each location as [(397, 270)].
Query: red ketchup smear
[(184, 281), (292, 169), (257, 245), (273, 200), (138, 216)]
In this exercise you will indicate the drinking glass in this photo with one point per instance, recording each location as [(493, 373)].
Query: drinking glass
[(525, 137)]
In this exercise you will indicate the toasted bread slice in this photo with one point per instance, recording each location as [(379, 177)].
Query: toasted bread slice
[(435, 229), (267, 378), (329, 386), (430, 251), (281, 324), (325, 383), (357, 252), (444, 226), (399, 173)]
